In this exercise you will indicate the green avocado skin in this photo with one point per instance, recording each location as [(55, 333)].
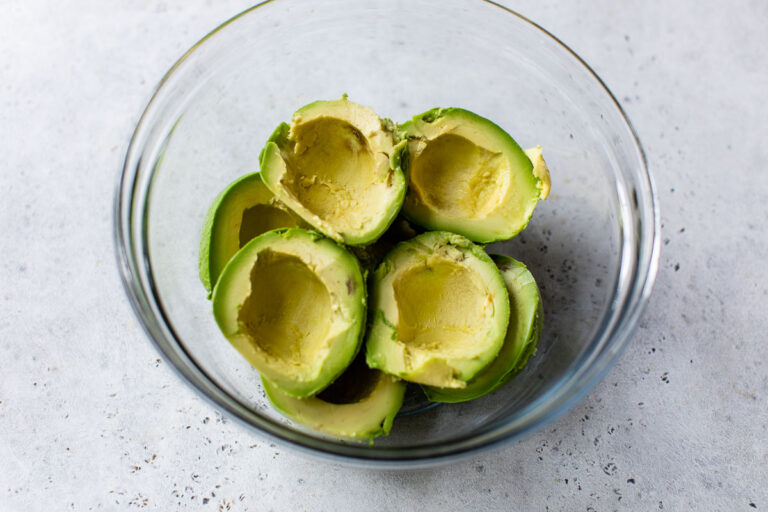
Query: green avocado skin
[(204, 261), (525, 325)]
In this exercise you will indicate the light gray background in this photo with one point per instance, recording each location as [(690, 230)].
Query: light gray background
[(92, 419)]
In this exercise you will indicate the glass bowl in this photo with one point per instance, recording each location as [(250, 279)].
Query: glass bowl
[(592, 246)]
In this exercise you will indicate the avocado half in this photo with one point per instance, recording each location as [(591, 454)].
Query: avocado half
[(439, 311), (468, 176), (525, 323), (337, 166), (293, 303), (361, 404), (242, 211)]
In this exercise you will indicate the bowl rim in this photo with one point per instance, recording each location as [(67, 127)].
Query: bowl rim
[(570, 388)]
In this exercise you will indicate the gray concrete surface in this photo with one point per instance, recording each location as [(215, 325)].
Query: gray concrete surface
[(92, 419)]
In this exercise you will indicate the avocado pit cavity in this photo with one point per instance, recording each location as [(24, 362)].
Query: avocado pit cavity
[(440, 308), (288, 311), (331, 170), (457, 177)]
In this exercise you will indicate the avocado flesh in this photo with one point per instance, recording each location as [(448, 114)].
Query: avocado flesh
[(292, 302), (468, 176), (243, 210), (361, 404), (336, 165), (261, 218), (439, 311), (525, 322), (540, 170)]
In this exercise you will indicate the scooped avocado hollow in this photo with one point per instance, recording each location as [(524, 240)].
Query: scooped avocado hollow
[(468, 176), (439, 311), (525, 324), (338, 167), (243, 210), (361, 404), (293, 303)]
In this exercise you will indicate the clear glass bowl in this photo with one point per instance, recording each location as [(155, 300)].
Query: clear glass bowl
[(592, 246)]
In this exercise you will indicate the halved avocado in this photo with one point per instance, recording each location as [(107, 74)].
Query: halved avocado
[(525, 323), (439, 311), (337, 166), (242, 211), (361, 404), (292, 302), (468, 176)]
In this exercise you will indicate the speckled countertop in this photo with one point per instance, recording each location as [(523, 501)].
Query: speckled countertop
[(91, 419)]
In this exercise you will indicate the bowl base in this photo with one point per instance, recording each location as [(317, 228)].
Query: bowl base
[(415, 402)]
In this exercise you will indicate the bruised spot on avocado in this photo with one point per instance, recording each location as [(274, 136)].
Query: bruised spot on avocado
[(361, 140), (351, 286), (288, 312)]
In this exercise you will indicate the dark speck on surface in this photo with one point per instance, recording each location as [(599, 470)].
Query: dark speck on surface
[(610, 469), (677, 267), (630, 480), (480, 468)]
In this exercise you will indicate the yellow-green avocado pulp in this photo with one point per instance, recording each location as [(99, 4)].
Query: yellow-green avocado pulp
[(293, 304), (337, 166), (439, 311), (468, 176)]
